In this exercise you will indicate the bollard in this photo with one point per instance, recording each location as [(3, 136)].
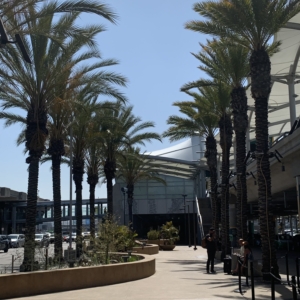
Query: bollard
[(294, 288), (272, 285), (239, 271), (240, 281), (287, 269), (12, 263), (247, 283), (252, 280)]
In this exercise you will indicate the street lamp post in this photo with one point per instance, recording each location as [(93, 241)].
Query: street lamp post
[(185, 227), (194, 225), (189, 225), (71, 183), (124, 190), (189, 231), (18, 41)]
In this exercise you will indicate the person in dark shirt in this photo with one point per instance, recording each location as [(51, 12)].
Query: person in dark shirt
[(211, 250)]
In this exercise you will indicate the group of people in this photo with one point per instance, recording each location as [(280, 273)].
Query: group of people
[(245, 253)]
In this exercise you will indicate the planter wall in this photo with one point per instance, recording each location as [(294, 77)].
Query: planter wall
[(153, 242), (167, 247), (43, 282), (148, 249)]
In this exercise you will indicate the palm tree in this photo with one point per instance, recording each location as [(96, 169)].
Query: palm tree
[(120, 129), (252, 24), (199, 120), (21, 16), (133, 167), (229, 63), (67, 78), (219, 96), (93, 169), (29, 87)]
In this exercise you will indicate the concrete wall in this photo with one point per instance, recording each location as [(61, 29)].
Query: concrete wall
[(44, 282), (148, 249)]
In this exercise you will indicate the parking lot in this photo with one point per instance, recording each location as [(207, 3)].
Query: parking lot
[(12, 260)]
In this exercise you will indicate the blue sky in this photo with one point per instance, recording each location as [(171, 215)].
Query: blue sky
[(154, 51)]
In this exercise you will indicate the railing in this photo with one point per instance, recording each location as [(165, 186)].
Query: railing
[(199, 218), (293, 284)]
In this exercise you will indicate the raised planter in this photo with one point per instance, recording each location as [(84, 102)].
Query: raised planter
[(153, 242), (147, 249), (167, 247), (43, 282)]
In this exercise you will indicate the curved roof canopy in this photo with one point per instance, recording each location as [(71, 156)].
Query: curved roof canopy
[(181, 160)]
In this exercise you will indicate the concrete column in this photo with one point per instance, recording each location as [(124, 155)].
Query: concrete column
[(298, 195), (292, 102), (248, 139), (234, 154), (218, 169), (14, 218)]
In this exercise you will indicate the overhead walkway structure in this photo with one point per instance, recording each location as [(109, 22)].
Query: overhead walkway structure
[(13, 210)]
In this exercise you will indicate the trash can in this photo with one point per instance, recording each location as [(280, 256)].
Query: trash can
[(227, 265)]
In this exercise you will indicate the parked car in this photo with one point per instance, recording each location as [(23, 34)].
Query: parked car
[(86, 235), (65, 235), (51, 238), (73, 237), (5, 237), (4, 243), (41, 240), (17, 240)]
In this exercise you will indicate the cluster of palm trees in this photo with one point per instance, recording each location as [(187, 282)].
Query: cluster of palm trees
[(242, 41), (68, 104)]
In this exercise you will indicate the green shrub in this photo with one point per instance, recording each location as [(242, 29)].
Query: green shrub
[(170, 233), (153, 235), (125, 238)]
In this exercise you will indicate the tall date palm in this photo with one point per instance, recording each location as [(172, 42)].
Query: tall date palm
[(252, 24), (28, 87), (199, 120), (229, 63)]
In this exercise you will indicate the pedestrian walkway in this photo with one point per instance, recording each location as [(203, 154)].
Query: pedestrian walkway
[(180, 275)]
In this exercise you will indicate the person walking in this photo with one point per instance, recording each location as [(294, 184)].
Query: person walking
[(211, 250)]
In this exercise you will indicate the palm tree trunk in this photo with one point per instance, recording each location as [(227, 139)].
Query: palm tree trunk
[(78, 171), (109, 169), (57, 206), (32, 195), (36, 134), (130, 191), (92, 181), (261, 88), (211, 157), (226, 143), (109, 189), (240, 124)]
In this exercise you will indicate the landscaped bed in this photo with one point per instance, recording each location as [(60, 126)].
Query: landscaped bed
[(51, 281)]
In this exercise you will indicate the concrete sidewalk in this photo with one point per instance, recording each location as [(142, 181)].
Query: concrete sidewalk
[(180, 274)]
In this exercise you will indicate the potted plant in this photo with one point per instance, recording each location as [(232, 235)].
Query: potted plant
[(169, 235), (153, 237)]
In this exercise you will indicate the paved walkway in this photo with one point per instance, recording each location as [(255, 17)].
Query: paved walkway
[(180, 275)]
